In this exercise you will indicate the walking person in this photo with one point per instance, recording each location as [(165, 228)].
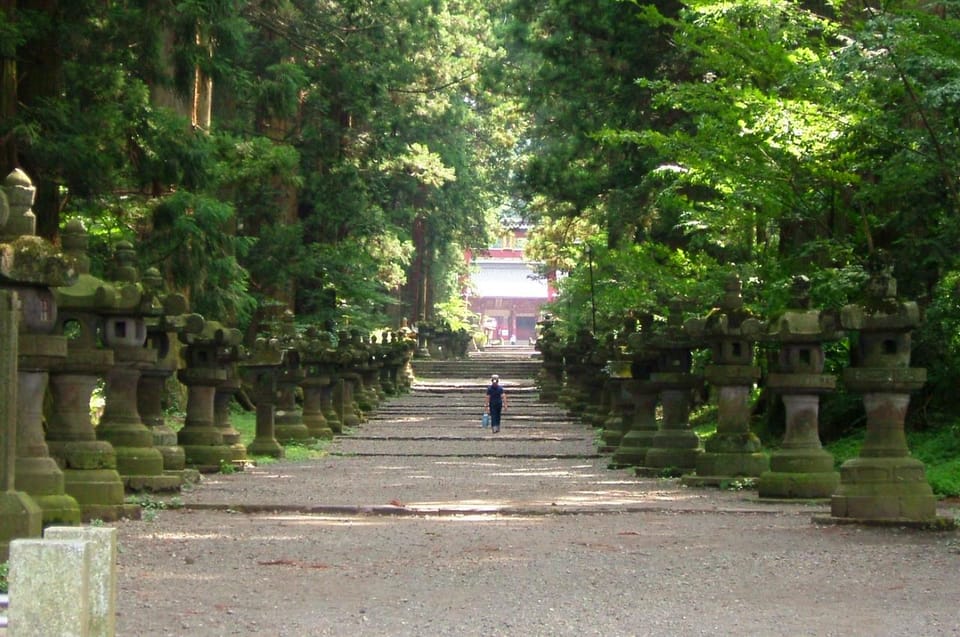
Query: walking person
[(495, 403)]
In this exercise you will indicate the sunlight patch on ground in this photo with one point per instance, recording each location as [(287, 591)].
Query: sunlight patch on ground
[(469, 464), (315, 520), (182, 536), (401, 419), (538, 474)]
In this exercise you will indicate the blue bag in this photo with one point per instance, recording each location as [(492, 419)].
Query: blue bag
[(485, 420)]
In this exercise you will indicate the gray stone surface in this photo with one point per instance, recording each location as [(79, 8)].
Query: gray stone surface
[(49, 584), (101, 588)]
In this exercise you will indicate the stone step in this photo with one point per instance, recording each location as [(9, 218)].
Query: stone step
[(472, 368)]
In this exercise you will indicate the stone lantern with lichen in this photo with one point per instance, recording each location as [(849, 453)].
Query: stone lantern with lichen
[(349, 380), (260, 371), (139, 462), (206, 354), (800, 468), (733, 451), (884, 484), (619, 404), (317, 353), (550, 377), (163, 332), (89, 464), (675, 447), (290, 427), (31, 266), (642, 392)]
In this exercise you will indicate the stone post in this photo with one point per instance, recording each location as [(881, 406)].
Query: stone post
[(733, 451), (884, 485), (801, 468), (101, 588), (20, 516), (50, 581)]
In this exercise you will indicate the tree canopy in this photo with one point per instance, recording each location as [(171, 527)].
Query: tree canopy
[(340, 157)]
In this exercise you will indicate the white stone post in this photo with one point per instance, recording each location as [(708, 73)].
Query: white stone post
[(49, 588), (103, 573)]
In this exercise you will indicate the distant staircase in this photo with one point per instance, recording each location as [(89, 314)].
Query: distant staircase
[(511, 362)]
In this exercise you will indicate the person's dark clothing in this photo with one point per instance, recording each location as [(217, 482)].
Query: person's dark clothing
[(495, 392)]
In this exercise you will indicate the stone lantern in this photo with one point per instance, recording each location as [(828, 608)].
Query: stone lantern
[(619, 416), (597, 396), (125, 332), (801, 468), (392, 357), (364, 392), (675, 446), (348, 380), (290, 427), (207, 354), (20, 516), (261, 369), (318, 353), (642, 393), (884, 484), (550, 377), (576, 355), (89, 465), (30, 266), (163, 332), (733, 450)]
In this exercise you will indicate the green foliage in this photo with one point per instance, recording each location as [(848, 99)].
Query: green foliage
[(190, 239), (151, 506), (246, 424), (938, 449), (937, 342)]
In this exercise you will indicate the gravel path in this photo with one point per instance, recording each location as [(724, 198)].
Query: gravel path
[(422, 523)]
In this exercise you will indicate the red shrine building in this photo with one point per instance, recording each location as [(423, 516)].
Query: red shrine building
[(506, 292)]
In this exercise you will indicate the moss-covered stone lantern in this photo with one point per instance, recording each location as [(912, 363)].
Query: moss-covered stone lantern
[(31, 266), (733, 450)]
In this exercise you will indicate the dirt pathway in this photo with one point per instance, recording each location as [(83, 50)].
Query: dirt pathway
[(422, 523)]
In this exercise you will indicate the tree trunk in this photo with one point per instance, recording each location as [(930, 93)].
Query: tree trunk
[(40, 77), (8, 99)]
